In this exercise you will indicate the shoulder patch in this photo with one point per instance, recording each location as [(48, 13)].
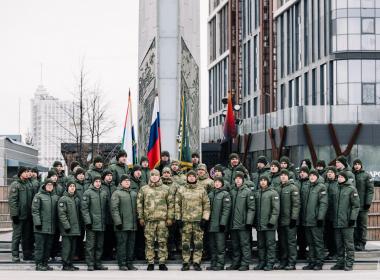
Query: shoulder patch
[(324, 192), (61, 204), (227, 199), (276, 197), (84, 198), (14, 190), (355, 194), (251, 197), (295, 193), (36, 200)]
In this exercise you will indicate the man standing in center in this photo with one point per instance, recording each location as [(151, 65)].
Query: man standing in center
[(155, 208), (192, 210)]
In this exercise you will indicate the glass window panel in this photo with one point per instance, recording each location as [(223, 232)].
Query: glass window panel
[(377, 93), (341, 42), (342, 94), (353, 4), (354, 93), (368, 42), (368, 94), (378, 71), (354, 42), (333, 4), (368, 3), (354, 13), (355, 71), (368, 25), (341, 71), (341, 4), (368, 73), (341, 25), (367, 12), (354, 25), (333, 27), (378, 25), (378, 12), (342, 13)]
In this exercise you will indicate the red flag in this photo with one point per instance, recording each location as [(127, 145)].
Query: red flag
[(230, 130)]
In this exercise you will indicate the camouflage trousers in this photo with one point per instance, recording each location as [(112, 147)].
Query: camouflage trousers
[(156, 230), (192, 231)]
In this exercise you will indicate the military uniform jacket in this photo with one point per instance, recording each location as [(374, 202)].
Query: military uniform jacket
[(137, 183), (91, 173), (173, 186), (20, 199), (192, 203), (364, 185), (289, 203), (79, 188), (206, 182), (145, 175), (314, 204), (230, 171), (94, 208), (69, 214), (44, 211), (179, 178), (242, 207), (346, 205), (155, 202), (124, 209), (267, 208), (220, 206), (332, 189), (260, 172), (117, 171), (275, 182)]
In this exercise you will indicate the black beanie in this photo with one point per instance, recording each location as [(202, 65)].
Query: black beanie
[(307, 161), (96, 177), (315, 172), (357, 161), (69, 183), (121, 153), (264, 177), (233, 156), (344, 175), (51, 173), (165, 154), (239, 174), (143, 158), (285, 159), (105, 173), (79, 171), (342, 160), (263, 160), (124, 177), (332, 168), (285, 171), (98, 159), (57, 163), (275, 163), (73, 165), (219, 168), (21, 170), (220, 179), (321, 163), (136, 167)]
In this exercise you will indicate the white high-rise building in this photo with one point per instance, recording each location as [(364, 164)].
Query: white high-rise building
[(169, 59), (51, 125)]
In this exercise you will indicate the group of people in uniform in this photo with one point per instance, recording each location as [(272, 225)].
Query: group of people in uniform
[(134, 211)]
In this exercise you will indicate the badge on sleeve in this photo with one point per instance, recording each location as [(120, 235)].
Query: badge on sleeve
[(61, 204), (35, 200), (276, 197), (84, 198), (227, 199), (251, 197), (13, 189), (295, 193), (355, 194), (324, 192)]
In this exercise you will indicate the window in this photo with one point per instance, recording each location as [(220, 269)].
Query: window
[(255, 62), (368, 25), (306, 28), (282, 97), (255, 106), (249, 109), (290, 94), (322, 84), (296, 92), (369, 94), (314, 87), (249, 68), (306, 88)]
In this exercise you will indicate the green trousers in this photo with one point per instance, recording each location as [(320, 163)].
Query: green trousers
[(23, 233), (192, 231), (94, 247), (344, 238), (314, 238), (125, 245), (360, 233), (241, 247), (217, 248), (43, 246), (69, 244), (266, 245), (287, 238)]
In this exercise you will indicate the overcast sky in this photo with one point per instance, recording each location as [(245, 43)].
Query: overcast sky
[(58, 34)]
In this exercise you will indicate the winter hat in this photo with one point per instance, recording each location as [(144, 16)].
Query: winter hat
[(202, 166), (51, 173), (121, 153), (220, 179), (136, 167), (79, 171), (342, 160), (239, 174), (285, 171), (70, 182), (57, 163), (154, 172), (143, 158), (47, 181), (264, 177), (98, 159), (305, 169), (175, 162), (191, 172), (165, 154), (344, 175), (195, 154), (262, 159), (307, 161), (21, 170), (35, 170), (96, 177), (321, 163), (73, 165), (357, 161), (219, 168), (332, 168), (275, 163), (315, 172), (233, 156), (105, 173), (124, 177), (166, 169), (285, 159)]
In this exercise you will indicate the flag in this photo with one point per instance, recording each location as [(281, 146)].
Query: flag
[(230, 130), (154, 146), (184, 155), (128, 143)]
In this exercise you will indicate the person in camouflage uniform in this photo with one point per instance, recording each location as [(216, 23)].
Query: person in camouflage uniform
[(263, 168), (192, 211), (145, 171), (109, 245), (124, 215), (346, 205), (220, 208), (241, 222), (267, 205), (174, 231), (204, 179), (314, 208), (365, 187), (155, 208), (44, 212), (331, 184), (287, 221), (94, 208), (120, 167), (20, 202), (95, 170), (177, 174), (69, 224)]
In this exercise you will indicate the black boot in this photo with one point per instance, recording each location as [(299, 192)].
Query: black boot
[(150, 267), (162, 267), (185, 267)]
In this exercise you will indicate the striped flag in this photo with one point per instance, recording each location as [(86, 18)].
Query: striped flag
[(154, 146), (128, 143)]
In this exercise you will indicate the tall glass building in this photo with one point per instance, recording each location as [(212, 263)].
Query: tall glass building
[(318, 64)]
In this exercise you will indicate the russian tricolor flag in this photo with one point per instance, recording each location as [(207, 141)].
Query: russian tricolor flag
[(154, 147)]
